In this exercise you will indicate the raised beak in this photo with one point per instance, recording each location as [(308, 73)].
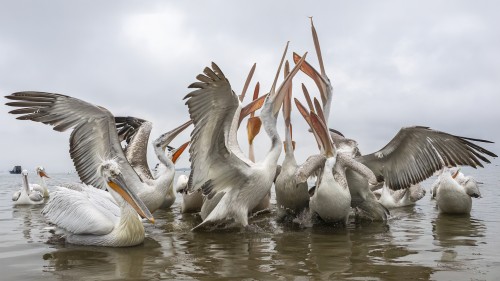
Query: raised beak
[(283, 89), (252, 107), (322, 131), (43, 174), (118, 184), (315, 76), (247, 82), (176, 153), (166, 138)]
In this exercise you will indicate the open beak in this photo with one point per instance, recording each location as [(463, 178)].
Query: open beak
[(166, 138), (176, 153), (253, 128), (118, 184), (43, 174), (322, 131), (252, 107)]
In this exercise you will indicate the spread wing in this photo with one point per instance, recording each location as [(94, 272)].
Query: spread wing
[(135, 132), (216, 159), (415, 153), (93, 139)]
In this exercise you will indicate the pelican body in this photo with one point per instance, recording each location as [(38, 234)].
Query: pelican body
[(88, 219), (400, 198), (26, 196), (217, 163), (453, 197)]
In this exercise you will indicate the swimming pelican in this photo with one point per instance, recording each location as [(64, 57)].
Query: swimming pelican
[(453, 197), (332, 198), (25, 196), (291, 197), (42, 187), (399, 198), (217, 162), (86, 222), (136, 133), (93, 137), (412, 156)]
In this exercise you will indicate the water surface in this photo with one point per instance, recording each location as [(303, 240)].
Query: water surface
[(416, 243)]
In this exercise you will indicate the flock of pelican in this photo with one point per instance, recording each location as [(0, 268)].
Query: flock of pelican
[(225, 186)]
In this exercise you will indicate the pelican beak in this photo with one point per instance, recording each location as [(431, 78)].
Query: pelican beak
[(117, 183), (253, 128), (279, 97), (252, 107), (455, 174), (177, 152), (43, 174), (293, 145), (166, 138)]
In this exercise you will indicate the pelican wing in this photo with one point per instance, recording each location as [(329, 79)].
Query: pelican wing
[(216, 159), (135, 132), (415, 153), (75, 212), (313, 164), (93, 139)]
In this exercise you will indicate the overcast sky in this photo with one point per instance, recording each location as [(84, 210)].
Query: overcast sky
[(392, 64)]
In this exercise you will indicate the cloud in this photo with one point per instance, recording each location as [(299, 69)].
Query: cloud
[(393, 64)]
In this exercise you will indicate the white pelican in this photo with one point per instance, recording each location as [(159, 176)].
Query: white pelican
[(191, 202), (25, 196), (399, 198), (217, 162), (88, 220), (291, 197), (94, 137), (332, 198), (453, 197), (42, 187), (136, 133), (412, 156)]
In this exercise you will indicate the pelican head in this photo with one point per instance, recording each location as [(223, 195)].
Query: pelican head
[(110, 171), (41, 172), (24, 173)]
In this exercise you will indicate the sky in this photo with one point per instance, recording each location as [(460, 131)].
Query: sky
[(392, 64)]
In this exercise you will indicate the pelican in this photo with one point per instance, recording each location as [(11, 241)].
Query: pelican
[(453, 197), (93, 138), (217, 162), (332, 198), (25, 196), (85, 221), (42, 187), (412, 156), (399, 198), (136, 133), (291, 197)]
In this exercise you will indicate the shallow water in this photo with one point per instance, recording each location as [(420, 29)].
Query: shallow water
[(416, 243)]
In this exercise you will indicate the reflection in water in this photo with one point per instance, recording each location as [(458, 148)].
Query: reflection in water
[(450, 231), (91, 263)]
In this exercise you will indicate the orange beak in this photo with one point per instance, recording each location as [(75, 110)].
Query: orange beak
[(177, 152)]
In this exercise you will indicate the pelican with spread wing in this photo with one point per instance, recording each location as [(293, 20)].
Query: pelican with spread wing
[(94, 137), (217, 162), (135, 132), (412, 156)]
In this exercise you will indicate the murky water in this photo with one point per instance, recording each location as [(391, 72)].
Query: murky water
[(416, 243)]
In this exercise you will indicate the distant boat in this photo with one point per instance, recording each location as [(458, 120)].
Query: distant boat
[(15, 170)]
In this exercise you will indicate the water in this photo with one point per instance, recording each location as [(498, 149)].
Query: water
[(416, 243)]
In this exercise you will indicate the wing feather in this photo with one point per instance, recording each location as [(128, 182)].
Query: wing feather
[(415, 153), (93, 139), (216, 161)]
